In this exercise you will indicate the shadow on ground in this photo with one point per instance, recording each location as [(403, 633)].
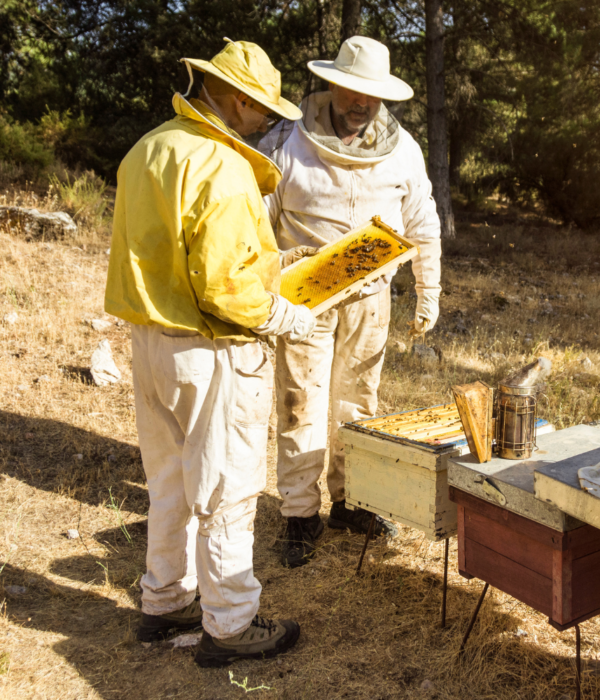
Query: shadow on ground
[(43, 453)]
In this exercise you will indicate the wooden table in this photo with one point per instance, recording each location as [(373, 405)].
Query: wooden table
[(523, 546)]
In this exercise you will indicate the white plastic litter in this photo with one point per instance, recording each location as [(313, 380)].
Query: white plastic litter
[(186, 640), (104, 370), (589, 480)]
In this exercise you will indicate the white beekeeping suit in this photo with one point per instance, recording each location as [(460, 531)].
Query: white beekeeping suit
[(328, 189)]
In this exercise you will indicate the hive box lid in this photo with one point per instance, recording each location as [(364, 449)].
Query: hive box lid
[(558, 484), (510, 483)]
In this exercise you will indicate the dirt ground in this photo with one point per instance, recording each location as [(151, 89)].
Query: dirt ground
[(69, 460)]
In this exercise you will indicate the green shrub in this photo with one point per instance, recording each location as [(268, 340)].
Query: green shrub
[(22, 145), (73, 139), (83, 197)]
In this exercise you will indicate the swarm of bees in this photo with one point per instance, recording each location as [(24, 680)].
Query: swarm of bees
[(338, 266)]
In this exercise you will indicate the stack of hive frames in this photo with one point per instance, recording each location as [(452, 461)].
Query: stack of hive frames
[(345, 266), (439, 425), (397, 467)]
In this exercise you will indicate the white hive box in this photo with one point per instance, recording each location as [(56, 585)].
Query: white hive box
[(397, 466), (400, 478)]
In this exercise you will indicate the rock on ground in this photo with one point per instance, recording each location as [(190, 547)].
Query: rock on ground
[(427, 355), (11, 318), (100, 324), (104, 370), (36, 224)]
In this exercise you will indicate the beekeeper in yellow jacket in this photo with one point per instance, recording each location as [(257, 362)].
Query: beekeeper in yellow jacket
[(195, 268)]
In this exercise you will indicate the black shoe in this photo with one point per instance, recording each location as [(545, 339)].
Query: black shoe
[(300, 536), (358, 520), (156, 627), (262, 640)]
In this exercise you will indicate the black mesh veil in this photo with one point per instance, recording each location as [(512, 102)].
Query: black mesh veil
[(376, 129)]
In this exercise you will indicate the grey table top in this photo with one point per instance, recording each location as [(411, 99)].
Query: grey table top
[(558, 484), (510, 483), (566, 470)]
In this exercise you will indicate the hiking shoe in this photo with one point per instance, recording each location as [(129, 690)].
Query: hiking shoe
[(358, 520), (155, 627), (300, 536), (262, 640)]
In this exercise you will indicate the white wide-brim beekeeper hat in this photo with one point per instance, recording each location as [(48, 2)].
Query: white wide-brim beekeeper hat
[(363, 65), (248, 68)]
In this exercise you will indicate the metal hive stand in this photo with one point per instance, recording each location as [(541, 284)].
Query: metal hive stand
[(369, 536)]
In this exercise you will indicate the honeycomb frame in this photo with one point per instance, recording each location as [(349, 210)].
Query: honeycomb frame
[(434, 426), (343, 267)]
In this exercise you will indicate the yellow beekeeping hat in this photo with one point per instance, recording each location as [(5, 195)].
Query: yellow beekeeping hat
[(248, 68)]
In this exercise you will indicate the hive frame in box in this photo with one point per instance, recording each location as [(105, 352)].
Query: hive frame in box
[(347, 292)]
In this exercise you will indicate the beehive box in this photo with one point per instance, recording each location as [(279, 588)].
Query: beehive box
[(396, 466), (345, 266)]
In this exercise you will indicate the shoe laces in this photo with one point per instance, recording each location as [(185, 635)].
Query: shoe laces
[(263, 623)]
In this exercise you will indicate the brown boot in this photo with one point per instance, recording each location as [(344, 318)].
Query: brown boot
[(262, 640), (155, 627)]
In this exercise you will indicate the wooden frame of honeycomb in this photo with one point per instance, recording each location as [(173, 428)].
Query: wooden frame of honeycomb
[(345, 266), (438, 425)]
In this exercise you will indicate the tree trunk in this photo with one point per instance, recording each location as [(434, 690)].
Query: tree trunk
[(350, 19), (321, 13), (436, 116), (455, 153)]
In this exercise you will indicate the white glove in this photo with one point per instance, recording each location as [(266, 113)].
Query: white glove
[(288, 257), (294, 323), (426, 268)]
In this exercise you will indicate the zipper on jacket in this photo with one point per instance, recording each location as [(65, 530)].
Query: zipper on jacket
[(353, 198)]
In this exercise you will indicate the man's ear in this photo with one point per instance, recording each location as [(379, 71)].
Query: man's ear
[(240, 103)]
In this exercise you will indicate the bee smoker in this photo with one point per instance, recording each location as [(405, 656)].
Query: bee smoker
[(516, 410), (515, 421)]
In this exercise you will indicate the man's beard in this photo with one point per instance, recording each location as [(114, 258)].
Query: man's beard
[(360, 119)]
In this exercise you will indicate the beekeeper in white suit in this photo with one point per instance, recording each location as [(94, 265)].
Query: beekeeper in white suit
[(347, 160)]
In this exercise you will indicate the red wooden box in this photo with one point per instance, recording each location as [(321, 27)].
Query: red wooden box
[(556, 573)]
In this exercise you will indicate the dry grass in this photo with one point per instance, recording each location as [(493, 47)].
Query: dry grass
[(69, 634)]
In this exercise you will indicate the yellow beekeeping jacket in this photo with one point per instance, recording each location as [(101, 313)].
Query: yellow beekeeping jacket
[(192, 245)]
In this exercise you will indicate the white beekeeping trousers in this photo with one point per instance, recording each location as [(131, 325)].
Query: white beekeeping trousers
[(344, 356), (202, 415)]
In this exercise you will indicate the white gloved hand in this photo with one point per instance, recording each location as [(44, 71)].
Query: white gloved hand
[(304, 324), (294, 323), (426, 268), (288, 257), (427, 312)]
